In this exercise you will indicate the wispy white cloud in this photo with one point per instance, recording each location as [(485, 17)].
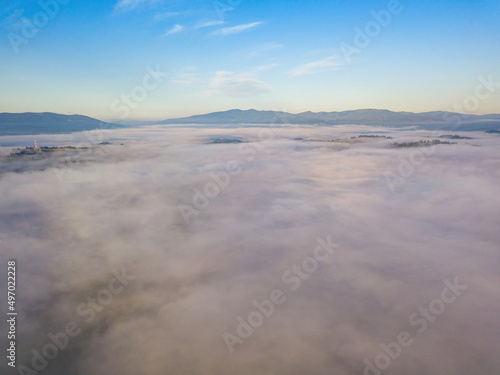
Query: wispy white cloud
[(236, 29), (237, 85), (165, 15), (174, 30), (186, 76), (261, 68), (266, 47), (201, 25), (325, 65), (124, 5)]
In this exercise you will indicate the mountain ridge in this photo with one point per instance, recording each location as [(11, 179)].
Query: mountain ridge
[(53, 123), (27, 123), (382, 117)]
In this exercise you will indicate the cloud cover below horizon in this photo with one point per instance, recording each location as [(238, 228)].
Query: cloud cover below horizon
[(117, 207)]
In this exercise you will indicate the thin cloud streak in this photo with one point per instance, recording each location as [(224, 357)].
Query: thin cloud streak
[(165, 15), (236, 29), (174, 30), (237, 85), (186, 76), (266, 47), (202, 25), (126, 5), (326, 65)]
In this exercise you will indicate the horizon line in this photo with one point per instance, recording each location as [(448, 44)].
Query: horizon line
[(108, 119)]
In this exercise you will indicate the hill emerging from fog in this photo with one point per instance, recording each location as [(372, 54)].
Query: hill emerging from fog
[(49, 123), (376, 117), (53, 123)]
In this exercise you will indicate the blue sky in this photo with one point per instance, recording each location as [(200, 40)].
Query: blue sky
[(86, 57)]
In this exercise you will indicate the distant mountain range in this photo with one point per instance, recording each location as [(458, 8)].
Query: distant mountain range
[(375, 117), (50, 123)]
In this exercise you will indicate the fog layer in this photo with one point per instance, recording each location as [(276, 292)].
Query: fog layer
[(202, 230)]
